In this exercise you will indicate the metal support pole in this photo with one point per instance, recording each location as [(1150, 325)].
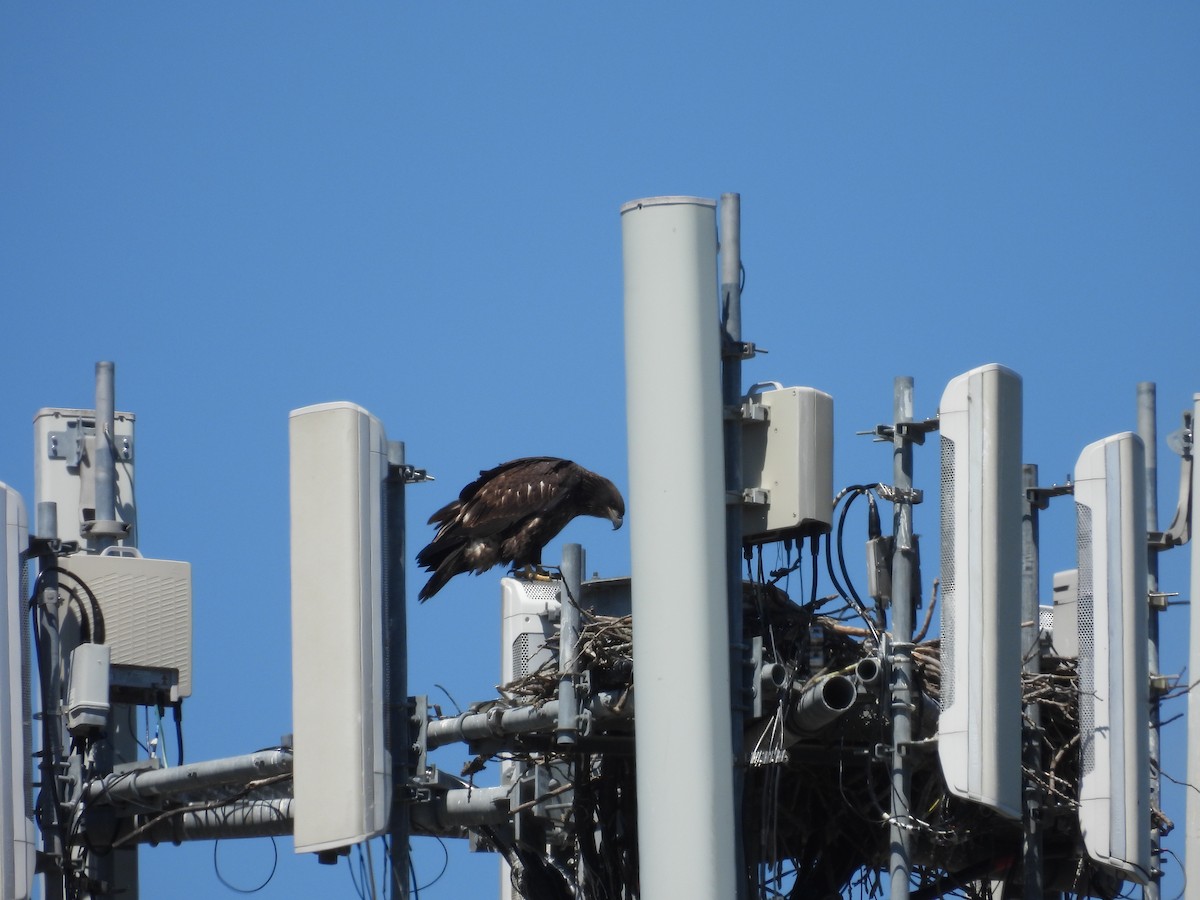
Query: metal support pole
[(396, 669), (105, 471), (568, 644), (50, 815), (117, 872), (1147, 430), (903, 696), (498, 722), (1031, 666), (730, 259), (1192, 845)]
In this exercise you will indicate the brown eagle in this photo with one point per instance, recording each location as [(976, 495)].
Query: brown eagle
[(509, 513)]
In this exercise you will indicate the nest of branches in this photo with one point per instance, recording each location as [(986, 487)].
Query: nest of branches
[(604, 656), (817, 813)]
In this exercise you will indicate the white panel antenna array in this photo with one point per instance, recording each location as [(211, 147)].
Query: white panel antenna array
[(1114, 673), (979, 730), (342, 770), (17, 837)]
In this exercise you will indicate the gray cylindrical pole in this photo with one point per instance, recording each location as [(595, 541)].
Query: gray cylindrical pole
[(1192, 847), (119, 869), (239, 819), (132, 787), (686, 817), (396, 671), (731, 398), (903, 696), (105, 472), (568, 643), (1147, 430), (1031, 665)]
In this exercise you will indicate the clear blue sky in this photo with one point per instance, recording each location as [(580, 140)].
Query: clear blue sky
[(255, 207)]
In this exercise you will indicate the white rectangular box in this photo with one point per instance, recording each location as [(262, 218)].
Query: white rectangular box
[(64, 453), (146, 607), (342, 771), (789, 458), (1065, 635)]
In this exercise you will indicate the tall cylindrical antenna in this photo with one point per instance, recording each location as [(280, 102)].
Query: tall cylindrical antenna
[(677, 522)]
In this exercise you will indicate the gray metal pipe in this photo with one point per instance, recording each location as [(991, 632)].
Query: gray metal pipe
[(135, 787), (1031, 665), (396, 654), (903, 693), (822, 700), (868, 671), (568, 644), (1147, 430), (501, 722), (243, 819), (730, 258), (460, 807), (105, 469)]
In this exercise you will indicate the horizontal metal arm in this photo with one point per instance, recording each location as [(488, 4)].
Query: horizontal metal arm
[(501, 721), (146, 786), (240, 819)]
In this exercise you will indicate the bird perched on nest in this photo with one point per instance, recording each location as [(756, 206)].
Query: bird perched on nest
[(509, 513)]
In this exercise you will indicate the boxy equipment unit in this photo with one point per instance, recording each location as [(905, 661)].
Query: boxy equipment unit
[(1114, 673), (16, 775), (787, 464), (342, 770), (979, 730)]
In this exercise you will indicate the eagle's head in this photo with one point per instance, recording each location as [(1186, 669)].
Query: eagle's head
[(605, 501)]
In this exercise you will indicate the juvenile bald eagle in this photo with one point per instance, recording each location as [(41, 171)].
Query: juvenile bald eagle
[(509, 513)]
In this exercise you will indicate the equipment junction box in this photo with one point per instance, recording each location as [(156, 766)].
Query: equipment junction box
[(64, 469), (146, 606), (788, 457)]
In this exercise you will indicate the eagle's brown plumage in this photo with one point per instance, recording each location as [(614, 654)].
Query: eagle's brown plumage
[(509, 513)]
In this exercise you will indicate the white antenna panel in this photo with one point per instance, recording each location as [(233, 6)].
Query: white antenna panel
[(17, 837), (1114, 671), (342, 770), (979, 730)]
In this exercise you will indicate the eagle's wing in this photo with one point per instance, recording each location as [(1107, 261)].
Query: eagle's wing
[(503, 496)]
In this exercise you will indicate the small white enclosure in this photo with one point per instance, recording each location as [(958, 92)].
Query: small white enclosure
[(787, 453)]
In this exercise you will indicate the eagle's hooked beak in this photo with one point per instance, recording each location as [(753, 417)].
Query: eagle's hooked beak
[(616, 518)]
